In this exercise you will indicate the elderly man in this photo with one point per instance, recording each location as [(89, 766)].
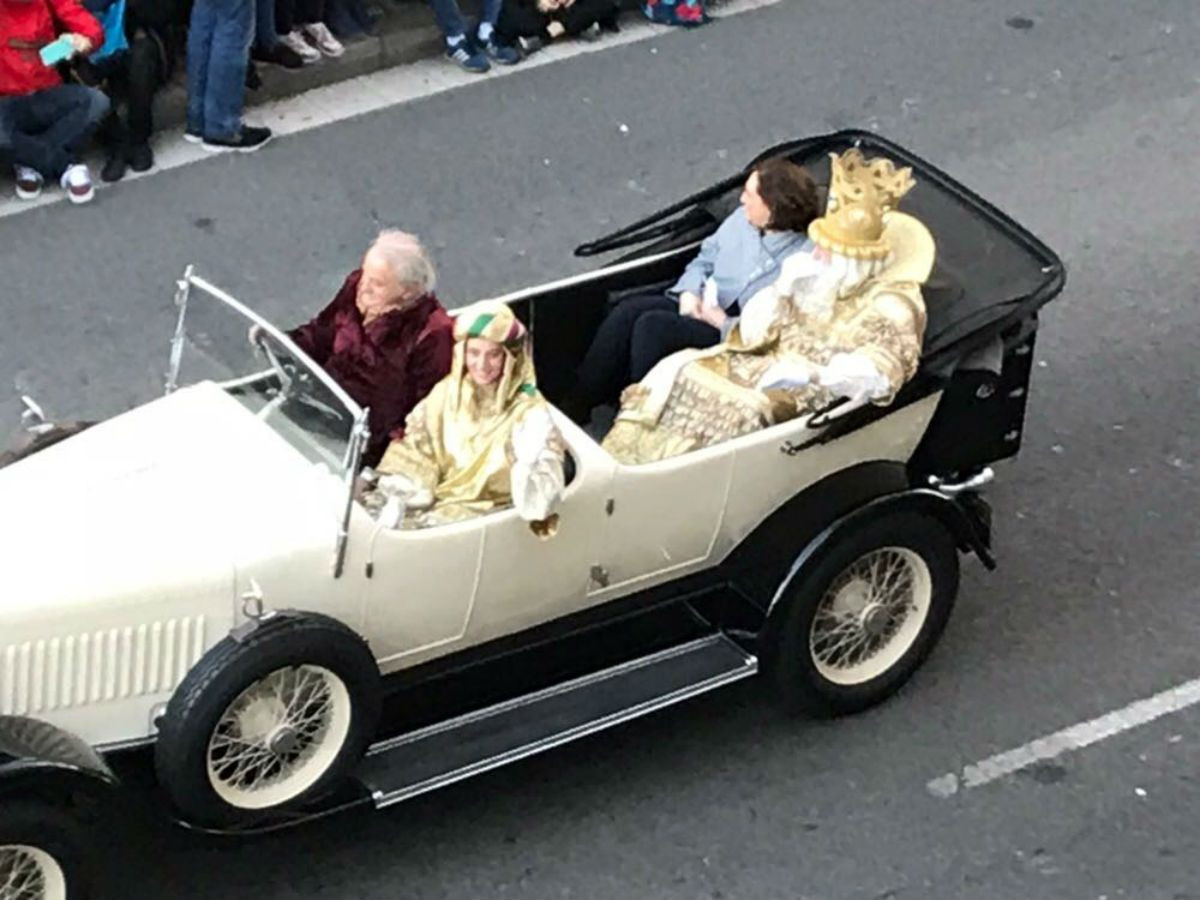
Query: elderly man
[(844, 321), (384, 338)]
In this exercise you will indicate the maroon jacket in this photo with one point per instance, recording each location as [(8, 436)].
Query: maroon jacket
[(389, 365)]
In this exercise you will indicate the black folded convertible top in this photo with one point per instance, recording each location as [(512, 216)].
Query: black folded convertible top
[(989, 270)]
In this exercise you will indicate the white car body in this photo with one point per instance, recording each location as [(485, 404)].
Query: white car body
[(140, 543)]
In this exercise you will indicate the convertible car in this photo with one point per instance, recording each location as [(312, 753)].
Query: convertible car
[(194, 591)]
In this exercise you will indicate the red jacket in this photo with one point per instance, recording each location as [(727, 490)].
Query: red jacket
[(388, 365), (28, 25)]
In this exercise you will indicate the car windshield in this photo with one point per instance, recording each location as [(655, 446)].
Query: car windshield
[(220, 339)]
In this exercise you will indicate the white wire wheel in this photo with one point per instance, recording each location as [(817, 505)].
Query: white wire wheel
[(854, 625), (268, 720), (279, 737), (870, 616), (30, 873)]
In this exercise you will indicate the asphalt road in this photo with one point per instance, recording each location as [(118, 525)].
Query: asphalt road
[(1078, 119)]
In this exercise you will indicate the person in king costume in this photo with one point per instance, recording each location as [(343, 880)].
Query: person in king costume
[(846, 320), (482, 439)]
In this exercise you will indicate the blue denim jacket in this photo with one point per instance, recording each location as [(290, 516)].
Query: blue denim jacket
[(741, 259)]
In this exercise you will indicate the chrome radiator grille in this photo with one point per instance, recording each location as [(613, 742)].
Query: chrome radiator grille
[(116, 664)]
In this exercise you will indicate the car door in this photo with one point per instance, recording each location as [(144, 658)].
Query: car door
[(420, 590), (525, 580), (665, 519)]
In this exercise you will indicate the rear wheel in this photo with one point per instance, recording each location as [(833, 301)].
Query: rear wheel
[(863, 620), (41, 853)]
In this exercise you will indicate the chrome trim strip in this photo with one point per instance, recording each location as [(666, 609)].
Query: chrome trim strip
[(594, 275), (552, 691), (387, 799)]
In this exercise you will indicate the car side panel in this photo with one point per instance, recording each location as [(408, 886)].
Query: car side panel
[(766, 476)]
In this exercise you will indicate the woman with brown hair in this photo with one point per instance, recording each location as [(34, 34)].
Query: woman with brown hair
[(779, 200)]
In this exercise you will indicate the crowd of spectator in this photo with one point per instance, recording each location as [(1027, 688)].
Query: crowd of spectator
[(76, 70)]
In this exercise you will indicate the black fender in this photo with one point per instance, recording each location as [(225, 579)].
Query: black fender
[(966, 517), (42, 760)]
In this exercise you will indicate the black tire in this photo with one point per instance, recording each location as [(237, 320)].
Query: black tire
[(230, 668), (790, 662), (51, 830)]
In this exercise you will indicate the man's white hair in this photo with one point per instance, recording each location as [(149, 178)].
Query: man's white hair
[(406, 257)]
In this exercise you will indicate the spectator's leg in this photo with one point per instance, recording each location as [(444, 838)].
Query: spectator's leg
[(517, 22), (658, 334), (311, 15), (287, 25), (582, 14), (285, 16), (605, 367), (145, 78), (48, 127), (225, 93), (450, 21), (265, 36), (201, 30)]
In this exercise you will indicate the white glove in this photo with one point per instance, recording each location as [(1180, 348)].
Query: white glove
[(404, 488), (532, 436), (854, 376), (786, 375)]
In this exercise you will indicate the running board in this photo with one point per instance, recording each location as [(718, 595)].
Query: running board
[(451, 751)]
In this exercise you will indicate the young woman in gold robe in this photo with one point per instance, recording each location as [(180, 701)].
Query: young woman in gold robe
[(483, 438)]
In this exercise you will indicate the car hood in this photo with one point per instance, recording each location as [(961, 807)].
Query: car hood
[(152, 508)]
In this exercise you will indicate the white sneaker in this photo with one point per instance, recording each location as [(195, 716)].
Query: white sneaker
[(295, 41), (77, 182), (29, 183), (319, 34)]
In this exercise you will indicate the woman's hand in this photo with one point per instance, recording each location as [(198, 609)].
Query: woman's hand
[(714, 316), (689, 305)]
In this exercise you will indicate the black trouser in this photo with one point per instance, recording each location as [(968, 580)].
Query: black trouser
[(134, 77), (291, 13), (46, 129), (518, 20), (638, 332)]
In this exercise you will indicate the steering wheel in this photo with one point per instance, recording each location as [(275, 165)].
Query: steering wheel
[(258, 339)]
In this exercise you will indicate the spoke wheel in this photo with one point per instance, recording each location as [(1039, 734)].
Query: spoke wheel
[(871, 615), (279, 737), (855, 624), (268, 723), (27, 873)]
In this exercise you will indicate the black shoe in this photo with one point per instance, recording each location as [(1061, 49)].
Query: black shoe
[(141, 158), (114, 167), (279, 55), (253, 81), (528, 45), (610, 24), (249, 139)]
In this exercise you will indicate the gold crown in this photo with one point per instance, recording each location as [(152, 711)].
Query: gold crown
[(854, 228), (852, 176)]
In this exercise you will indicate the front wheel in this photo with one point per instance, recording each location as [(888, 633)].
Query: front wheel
[(860, 623), (271, 721), (41, 853)]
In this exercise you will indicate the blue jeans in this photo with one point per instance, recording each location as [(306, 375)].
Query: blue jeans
[(218, 50), (45, 130), (450, 20), (265, 37)]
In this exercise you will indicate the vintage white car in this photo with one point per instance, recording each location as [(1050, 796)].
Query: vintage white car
[(193, 580)]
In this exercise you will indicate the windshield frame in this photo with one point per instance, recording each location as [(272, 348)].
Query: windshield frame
[(359, 431)]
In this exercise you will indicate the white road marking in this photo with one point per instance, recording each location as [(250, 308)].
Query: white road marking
[(1068, 739), (371, 93)]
